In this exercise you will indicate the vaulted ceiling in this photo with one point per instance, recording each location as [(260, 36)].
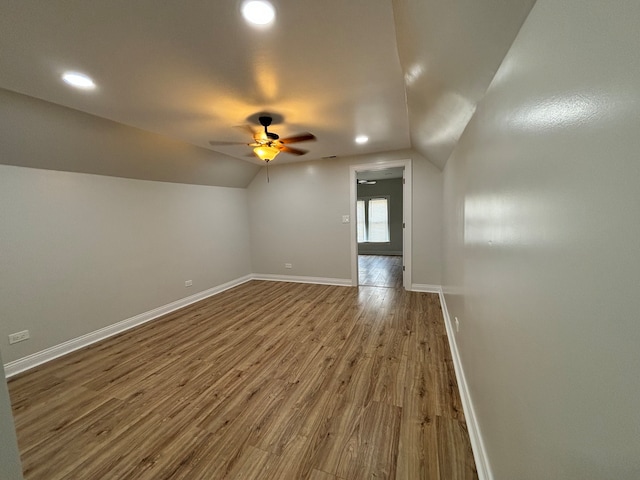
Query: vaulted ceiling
[(402, 72), (450, 52)]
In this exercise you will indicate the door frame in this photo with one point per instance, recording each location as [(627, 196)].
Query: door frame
[(407, 200)]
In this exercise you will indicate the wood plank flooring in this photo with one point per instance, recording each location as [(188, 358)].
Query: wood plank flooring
[(267, 380), (380, 271)]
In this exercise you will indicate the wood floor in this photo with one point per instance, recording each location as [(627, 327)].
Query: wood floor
[(380, 270), (267, 380)]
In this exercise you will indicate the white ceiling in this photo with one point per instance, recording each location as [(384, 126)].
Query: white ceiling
[(193, 70)]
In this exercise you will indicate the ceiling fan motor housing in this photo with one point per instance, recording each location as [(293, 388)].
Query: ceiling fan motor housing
[(265, 122)]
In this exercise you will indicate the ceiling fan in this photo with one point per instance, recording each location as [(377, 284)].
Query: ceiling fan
[(267, 145)]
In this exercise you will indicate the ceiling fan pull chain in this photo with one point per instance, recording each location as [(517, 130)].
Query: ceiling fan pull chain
[(267, 171)]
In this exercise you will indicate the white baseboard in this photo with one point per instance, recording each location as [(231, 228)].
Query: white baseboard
[(421, 287), (477, 445), (38, 358), (342, 282)]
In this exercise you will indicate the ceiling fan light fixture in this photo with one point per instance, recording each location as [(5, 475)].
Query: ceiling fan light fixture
[(258, 12), (266, 153)]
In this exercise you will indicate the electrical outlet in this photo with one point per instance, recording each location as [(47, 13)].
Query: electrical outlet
[(188, 283), (457, 324), (19, 337), (345, 218), (288, 265)]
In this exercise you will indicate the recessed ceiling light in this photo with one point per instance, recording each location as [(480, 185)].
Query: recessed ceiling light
[(258, 12), (362, 139), (79, 80)]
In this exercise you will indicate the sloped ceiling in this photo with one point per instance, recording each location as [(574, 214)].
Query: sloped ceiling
[(193, 71), (450, 52)]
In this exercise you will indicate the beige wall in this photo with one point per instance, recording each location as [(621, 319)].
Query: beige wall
[(542, 250), (81, 252), (297, 217)]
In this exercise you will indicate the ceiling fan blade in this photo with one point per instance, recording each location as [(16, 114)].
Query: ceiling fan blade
[(293, 151), (255, 134), (302, 137), (216, 142)]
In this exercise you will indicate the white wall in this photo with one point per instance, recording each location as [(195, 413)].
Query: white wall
[(427, 221), (542, 249), (297, 217), (10, 467), (81, 252)]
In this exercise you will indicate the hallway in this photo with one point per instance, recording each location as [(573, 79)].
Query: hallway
[(380, 271)]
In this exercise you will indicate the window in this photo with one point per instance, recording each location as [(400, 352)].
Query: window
[(372, 215)]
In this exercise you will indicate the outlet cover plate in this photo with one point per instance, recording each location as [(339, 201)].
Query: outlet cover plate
[(18, 337)]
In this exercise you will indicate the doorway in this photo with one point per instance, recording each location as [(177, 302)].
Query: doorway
[(380, 271), (381, 226)]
